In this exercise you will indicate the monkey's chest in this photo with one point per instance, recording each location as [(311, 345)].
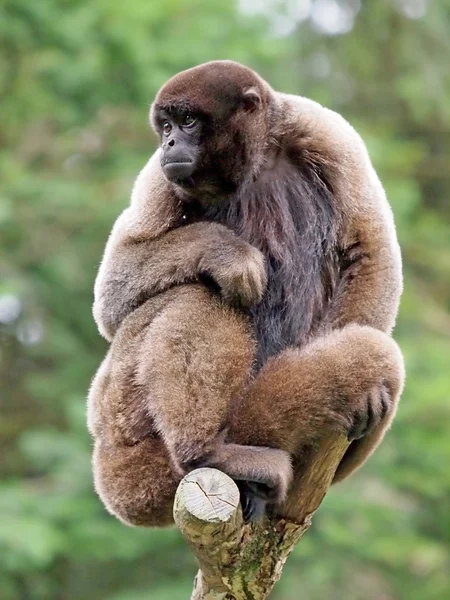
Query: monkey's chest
[(287, 314), (291, 226)]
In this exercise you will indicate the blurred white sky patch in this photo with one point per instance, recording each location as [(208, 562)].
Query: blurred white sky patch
[(330, 17), (414, 9), (10, 308), (334, 18), (284, 15)]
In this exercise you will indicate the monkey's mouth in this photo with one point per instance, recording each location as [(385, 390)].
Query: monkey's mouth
[(178, 171)]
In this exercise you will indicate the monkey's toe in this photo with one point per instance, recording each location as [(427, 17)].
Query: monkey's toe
[(254, 506), (360, 426), (375, 410)]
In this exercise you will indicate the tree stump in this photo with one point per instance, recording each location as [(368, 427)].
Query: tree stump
[(243, 561)]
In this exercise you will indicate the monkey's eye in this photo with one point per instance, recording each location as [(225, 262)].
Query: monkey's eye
[(167, 128), (189, 120)]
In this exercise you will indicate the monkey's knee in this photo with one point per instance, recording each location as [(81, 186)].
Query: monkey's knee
[(356, 359), (195, 332), (136, 483), (197, 316), (368, 375)]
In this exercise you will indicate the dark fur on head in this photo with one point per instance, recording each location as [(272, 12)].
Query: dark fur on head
[(215, 89)]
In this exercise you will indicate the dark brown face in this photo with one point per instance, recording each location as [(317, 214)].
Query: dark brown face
[(180, 134), (209, 120)]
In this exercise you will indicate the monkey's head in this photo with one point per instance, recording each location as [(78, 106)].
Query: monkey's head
[(213, 123)]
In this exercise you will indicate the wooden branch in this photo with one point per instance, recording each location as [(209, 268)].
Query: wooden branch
[(243, 561)]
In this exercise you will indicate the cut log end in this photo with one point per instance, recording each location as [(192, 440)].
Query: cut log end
[(207, 495)]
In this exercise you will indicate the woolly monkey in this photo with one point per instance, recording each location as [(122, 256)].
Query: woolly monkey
[(249, 293)]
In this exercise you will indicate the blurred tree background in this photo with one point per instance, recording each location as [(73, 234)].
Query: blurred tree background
[(76, 81)]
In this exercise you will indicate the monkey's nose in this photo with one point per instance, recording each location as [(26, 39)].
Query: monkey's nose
[(178, 170)]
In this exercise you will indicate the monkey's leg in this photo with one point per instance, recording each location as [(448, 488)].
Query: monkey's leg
[(136, 483), (195, 362), (348, 381), (195, 359)]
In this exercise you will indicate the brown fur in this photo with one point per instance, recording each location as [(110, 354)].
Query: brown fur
[(250, 310)]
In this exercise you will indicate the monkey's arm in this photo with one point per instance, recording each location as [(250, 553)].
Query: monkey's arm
[(146, 255), (348, 380), (371, 275), (369, 290), (136, 270)]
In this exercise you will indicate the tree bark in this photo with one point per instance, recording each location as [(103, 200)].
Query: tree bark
[(243, 561)]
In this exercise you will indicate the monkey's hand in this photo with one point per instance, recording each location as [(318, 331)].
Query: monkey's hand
[(135, 269), (239, 271)]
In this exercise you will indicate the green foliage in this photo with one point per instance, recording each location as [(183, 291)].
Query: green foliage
[(76, 81)]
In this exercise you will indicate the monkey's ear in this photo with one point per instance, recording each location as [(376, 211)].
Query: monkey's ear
[(251, 100)]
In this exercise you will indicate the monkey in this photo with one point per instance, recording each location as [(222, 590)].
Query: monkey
[(249, 293)]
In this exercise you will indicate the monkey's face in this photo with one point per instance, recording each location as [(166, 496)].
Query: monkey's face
[(181, 148), (198, 155), (211, 121)]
